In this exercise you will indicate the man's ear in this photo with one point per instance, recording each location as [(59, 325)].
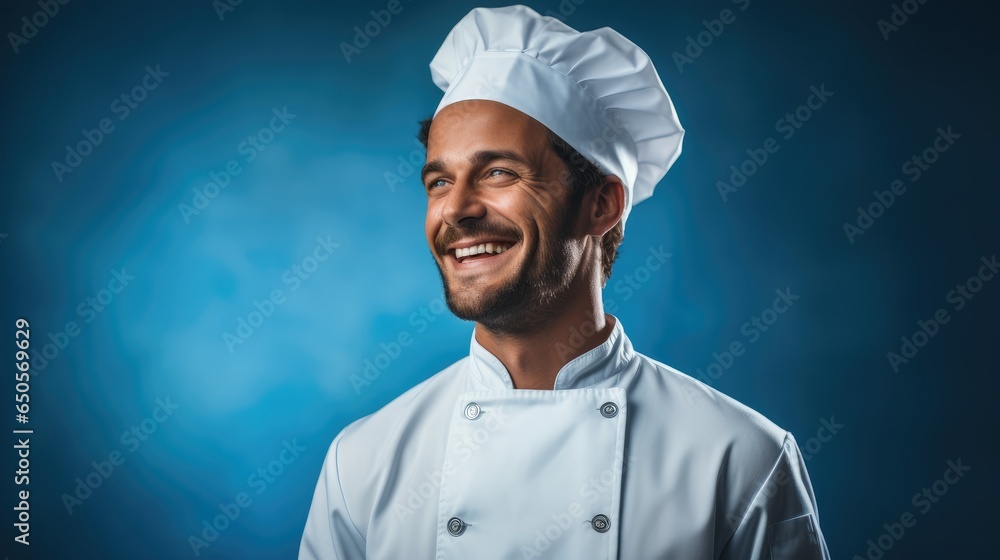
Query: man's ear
[(605, 206)]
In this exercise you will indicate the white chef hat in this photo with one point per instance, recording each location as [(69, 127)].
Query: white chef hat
[(596, 90)]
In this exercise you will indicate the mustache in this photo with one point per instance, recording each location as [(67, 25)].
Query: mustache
[(474, 229)]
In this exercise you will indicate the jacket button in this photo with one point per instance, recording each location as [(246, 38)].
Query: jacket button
[(472, 411), (600, 523), (609, 410), (456, 526)]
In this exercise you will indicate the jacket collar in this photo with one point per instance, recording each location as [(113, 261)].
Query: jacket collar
[(593, 367)]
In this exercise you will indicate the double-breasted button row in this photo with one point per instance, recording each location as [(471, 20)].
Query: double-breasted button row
[(600, 523), (473, 410)]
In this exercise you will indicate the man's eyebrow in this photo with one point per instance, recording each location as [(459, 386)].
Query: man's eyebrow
[(479, 158), (431, 167)]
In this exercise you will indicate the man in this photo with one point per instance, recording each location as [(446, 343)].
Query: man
[(553, 438)]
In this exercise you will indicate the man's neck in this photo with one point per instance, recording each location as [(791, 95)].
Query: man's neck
[(534, 359)]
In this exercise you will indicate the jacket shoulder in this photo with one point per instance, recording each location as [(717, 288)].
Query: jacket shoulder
[(708, 424), (737, 444), (721, 415)]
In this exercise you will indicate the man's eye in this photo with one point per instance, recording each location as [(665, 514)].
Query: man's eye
[(436, 183), (497, 172)]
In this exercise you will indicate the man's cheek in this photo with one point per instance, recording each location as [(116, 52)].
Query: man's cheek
[(431, 231), (543, 195)]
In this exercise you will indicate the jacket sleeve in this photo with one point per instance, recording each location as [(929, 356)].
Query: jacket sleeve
[(781, 521), (330, 534)]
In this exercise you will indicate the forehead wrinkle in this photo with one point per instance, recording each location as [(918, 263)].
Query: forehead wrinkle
[(483, 157), (496, 122)]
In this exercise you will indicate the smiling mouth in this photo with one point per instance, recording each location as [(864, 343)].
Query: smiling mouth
[(479, 252)]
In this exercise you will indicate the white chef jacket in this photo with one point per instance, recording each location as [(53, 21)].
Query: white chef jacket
[(626, 459)]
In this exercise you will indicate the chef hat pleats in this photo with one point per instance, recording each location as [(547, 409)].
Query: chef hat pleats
[(596, 89)]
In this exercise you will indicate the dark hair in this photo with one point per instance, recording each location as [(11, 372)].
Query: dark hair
[(584, 175)]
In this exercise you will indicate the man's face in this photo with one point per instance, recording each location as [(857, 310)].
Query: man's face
[(493, 181)]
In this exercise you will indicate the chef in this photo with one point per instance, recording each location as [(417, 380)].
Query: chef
[(553, 438)]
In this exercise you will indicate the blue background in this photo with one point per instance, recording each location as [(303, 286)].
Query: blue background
[(323, 176)]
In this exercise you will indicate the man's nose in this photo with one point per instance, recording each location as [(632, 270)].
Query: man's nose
[(463, 201)]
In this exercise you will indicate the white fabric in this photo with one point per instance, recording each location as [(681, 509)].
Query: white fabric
[(680, 471), (596, 89)]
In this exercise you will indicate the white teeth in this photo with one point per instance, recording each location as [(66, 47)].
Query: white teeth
[(491, 248)]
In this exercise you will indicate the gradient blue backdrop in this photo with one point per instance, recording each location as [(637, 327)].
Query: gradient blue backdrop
[(323, 176)]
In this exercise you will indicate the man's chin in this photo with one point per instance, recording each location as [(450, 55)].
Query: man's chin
[(505, 311), (471, 304), (486, 299), (468, 305)]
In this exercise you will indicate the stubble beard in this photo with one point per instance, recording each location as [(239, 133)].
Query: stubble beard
[(529, 300)]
